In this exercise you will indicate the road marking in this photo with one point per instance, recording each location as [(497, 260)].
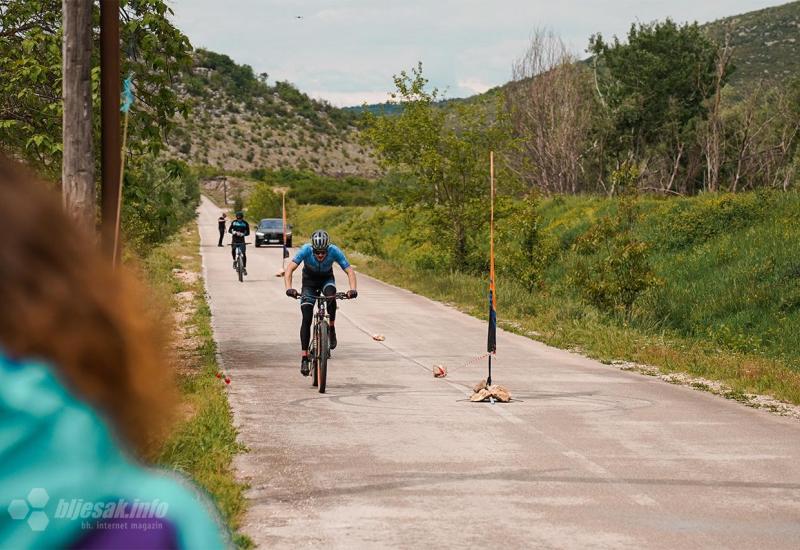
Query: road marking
[(595, 468), (497, 408)]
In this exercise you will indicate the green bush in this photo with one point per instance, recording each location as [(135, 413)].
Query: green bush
[(523, 249), (263, 203), (613, 269), (158, 198), (694, 222), (306, 187), (238, 202)]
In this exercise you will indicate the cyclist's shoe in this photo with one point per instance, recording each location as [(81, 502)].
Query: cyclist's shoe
[(244, 271), (332, 337), (234, 265), (304, 369)]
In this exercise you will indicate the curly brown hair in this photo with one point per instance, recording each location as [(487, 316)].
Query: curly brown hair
[(62, 302)]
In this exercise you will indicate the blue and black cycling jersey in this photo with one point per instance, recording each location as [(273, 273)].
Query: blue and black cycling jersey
[(316, 268), (242, 227)]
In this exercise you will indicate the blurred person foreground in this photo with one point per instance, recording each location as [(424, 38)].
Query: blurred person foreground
[(85, 396)]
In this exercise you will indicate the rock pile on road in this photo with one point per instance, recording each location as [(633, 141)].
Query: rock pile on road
[(484, 392)]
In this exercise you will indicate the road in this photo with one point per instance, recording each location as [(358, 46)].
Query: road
[(586, 455)]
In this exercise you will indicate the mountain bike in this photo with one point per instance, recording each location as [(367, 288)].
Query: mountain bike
[(238, 263), (319, 351)]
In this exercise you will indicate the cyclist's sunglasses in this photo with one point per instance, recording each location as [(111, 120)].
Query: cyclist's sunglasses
[(320, 253)]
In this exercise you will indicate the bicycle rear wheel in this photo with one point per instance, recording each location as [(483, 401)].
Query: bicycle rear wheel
[(322, 356)]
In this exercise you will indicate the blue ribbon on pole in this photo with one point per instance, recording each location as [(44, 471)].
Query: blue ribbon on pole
[(127, 94)]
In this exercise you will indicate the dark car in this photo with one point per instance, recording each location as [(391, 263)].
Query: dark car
[(270, 230)]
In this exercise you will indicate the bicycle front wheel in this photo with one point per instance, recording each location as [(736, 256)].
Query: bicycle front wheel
[(322, 356), (240, 269)]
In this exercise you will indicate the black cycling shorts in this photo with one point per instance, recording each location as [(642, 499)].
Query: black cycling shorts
[(314, 284)]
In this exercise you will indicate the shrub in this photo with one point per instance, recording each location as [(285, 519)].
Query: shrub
[(158, 198), (523, 251), (612, 268), (264, 203), (695, 222), (364, 232)]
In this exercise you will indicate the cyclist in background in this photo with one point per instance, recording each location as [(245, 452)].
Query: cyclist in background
[(317, 258), (239, 229)]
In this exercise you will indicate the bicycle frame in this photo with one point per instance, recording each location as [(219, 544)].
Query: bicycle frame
[(321, 315), (319, 350)]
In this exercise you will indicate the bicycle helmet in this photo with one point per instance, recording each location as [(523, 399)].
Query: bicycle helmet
[(320, 240), (239, 214)]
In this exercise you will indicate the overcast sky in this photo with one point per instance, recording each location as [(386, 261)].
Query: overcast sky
[(346, 51)]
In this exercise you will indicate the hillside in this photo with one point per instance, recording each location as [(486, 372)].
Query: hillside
[(238, 122), (766, 42)]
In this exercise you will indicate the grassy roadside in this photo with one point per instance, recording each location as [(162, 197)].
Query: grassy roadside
[(726, 307), (204, 442), (592, 336)]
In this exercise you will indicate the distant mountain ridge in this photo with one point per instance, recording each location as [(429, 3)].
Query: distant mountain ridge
[(766, 50)]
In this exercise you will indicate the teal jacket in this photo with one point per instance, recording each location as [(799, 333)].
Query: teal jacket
[(60, 469)]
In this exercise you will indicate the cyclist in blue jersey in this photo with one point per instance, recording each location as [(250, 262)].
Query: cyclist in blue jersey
[(317, 258)]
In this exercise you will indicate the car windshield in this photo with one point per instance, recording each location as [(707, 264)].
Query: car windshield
[(271, 224)]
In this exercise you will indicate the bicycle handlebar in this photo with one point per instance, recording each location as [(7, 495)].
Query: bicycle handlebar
[(338, 296)]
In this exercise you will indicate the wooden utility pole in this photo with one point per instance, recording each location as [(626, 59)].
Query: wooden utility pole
[(111, 154), (77, 169)]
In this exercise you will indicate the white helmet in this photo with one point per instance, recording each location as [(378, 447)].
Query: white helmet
[(320, 240)]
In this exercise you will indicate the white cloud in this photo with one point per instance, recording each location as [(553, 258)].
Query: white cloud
[(474, 85), (349, 99)]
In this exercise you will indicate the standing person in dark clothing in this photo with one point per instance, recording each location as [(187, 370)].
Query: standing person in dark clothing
[(221, 222), (240, 229)]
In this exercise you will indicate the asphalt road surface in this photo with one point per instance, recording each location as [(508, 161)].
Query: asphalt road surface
[(586, 455)]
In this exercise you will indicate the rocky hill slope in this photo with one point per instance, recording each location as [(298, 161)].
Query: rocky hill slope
[(238, 122), (766, 44)]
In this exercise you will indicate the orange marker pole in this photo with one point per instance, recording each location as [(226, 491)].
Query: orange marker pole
[(492, 338)]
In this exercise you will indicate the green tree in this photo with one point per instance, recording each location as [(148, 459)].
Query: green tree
[(263, 202), (446, 152), (663, 75), (30, 65), (656, 89), (158, 198), (613, 267)]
